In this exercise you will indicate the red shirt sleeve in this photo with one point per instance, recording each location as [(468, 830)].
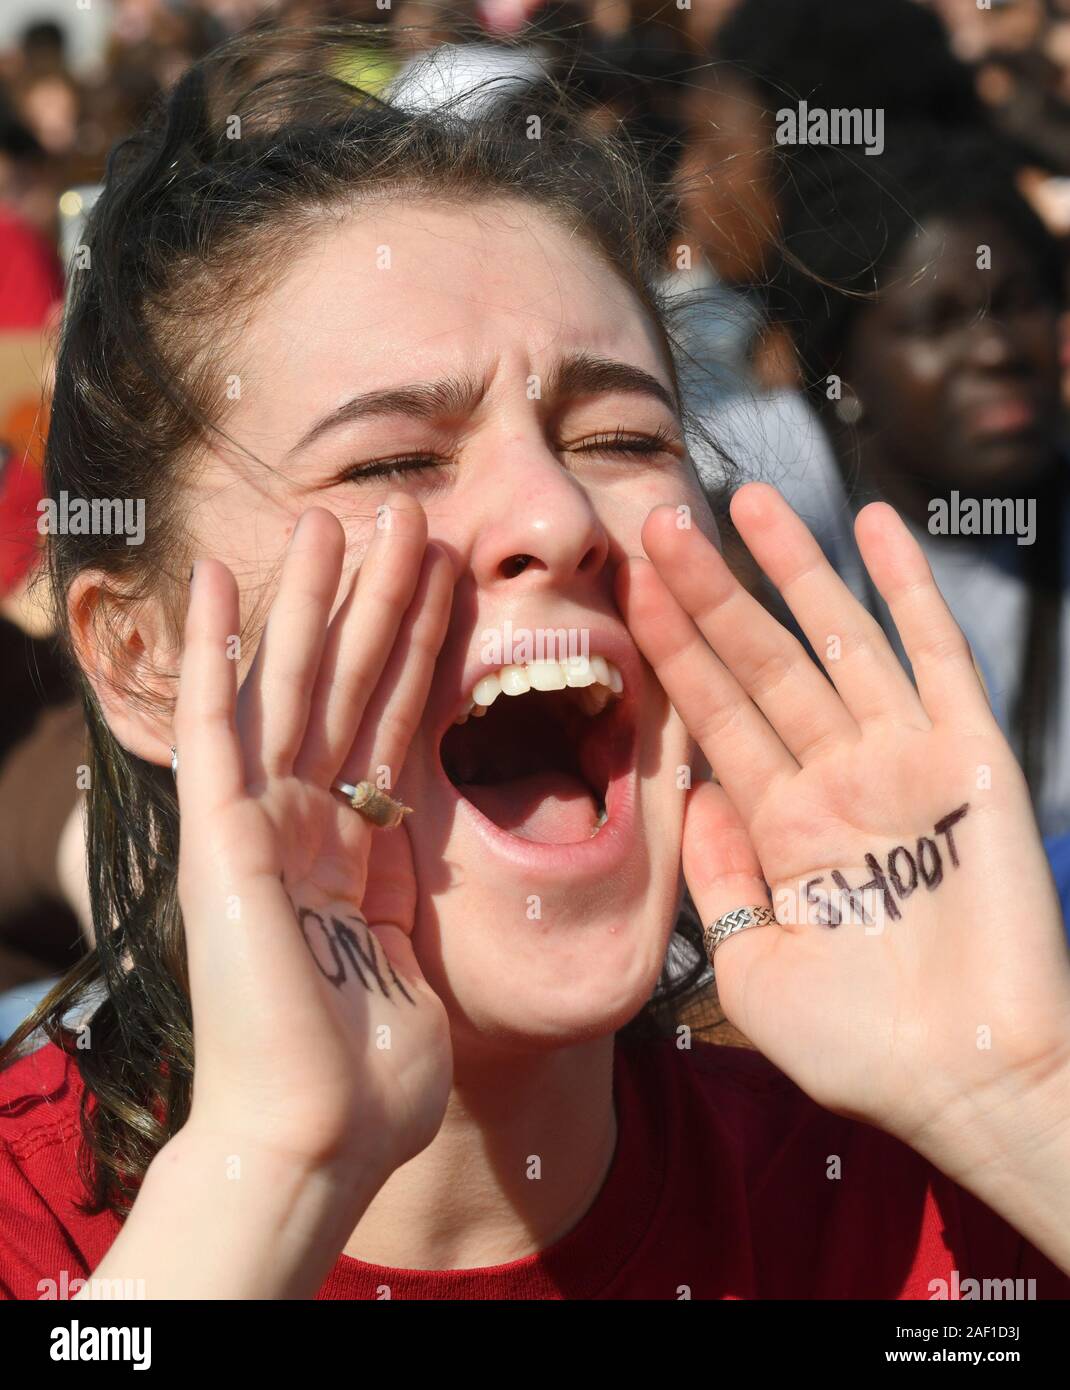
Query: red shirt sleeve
[(47, 1241), (37, 1256)]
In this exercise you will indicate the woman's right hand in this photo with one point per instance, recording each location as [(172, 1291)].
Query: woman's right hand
[(318, 1041)]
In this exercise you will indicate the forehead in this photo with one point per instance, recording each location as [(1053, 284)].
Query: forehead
[(944, 251), (397, 292)]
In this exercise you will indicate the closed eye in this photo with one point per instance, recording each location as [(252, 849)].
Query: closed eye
[(395, 467), (620, 441), (624, 442)]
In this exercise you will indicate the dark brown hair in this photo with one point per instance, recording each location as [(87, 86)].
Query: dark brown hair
[(254, 147)]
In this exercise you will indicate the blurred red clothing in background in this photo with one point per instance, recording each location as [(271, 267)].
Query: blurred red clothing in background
[(31, 276), (31, 288)]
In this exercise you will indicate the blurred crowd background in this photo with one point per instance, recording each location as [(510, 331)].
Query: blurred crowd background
[(952, 380)]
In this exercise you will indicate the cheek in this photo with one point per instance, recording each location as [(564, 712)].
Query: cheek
[(623, 510), (925, 373), (244, 524), (905, 387), (1041, 347)]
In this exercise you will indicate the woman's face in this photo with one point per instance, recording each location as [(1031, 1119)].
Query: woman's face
[(957, 364), (536, 925)]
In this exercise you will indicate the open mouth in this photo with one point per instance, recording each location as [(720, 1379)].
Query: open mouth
[(537, 746)]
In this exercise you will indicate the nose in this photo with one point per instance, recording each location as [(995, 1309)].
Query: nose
[(539, 528), (991, 343)]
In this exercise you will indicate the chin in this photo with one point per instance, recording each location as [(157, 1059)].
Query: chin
[(529, 1020), (1003, 467), (527, 985)]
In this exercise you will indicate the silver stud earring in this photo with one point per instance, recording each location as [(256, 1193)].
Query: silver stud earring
[(174, 762)]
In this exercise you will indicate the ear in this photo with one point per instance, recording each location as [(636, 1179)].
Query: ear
[(130, 656)]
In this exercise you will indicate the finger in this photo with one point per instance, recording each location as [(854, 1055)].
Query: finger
[(848, 640), (211, 785), (277, 692), (743, 751), (947, 679), (210, 765), (723, 873), (361, 636), (720, 864), (769, 663), (394, 712)]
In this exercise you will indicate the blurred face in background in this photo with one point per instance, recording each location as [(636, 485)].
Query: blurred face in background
[(1002, 26), (49, 107), (701, 21), (956, 367)]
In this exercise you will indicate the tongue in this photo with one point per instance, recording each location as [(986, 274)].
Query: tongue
[(554, 807)]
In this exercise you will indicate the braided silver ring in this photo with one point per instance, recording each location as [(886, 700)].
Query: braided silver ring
[(739, 919)]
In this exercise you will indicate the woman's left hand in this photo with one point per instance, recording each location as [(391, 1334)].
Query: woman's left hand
[(947, 997)]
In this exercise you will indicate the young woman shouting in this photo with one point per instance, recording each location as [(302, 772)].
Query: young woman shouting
[(396, 389)]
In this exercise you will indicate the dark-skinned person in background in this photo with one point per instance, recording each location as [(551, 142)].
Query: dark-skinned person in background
[(923, 298), (739, 371), (736, 179), (893, 58)]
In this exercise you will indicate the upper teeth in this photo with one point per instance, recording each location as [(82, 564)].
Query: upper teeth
[(597, 678)]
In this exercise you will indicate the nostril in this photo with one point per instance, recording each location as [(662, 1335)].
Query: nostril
[(516, 564)]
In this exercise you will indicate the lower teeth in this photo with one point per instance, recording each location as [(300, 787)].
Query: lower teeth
[(603, 816)]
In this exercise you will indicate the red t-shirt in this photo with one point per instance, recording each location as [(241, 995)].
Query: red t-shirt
[(719, 1188)]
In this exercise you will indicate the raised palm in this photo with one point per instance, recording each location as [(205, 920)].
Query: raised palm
[(315, 1031), (951, 973)]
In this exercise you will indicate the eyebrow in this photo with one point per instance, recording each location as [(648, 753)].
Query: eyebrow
[(579, 374)]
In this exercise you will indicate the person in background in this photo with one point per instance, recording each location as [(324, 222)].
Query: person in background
[(42, 858), (1016, 52), (827, 54), (31, 278), (923, 300), (42, 736), (760, 58), (890, 56), (43, 48)]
